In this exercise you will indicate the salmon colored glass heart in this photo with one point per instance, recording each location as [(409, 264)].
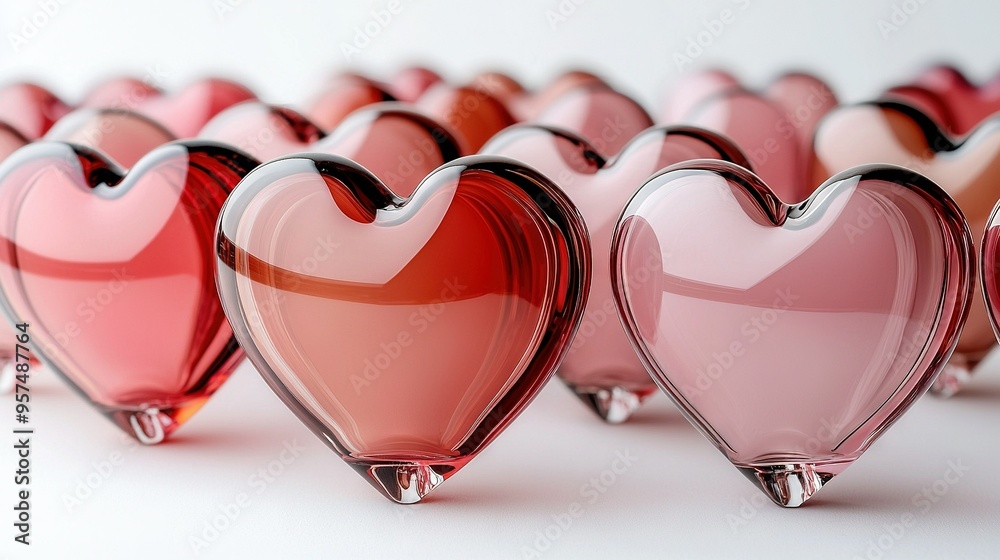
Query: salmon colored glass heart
[(791, 344), (122, 135), (606, 118), (344, 95), (472, 113), (527, 105), (969, 171), (183, 113), (397, 145), (30, 109), (601, 367), (114, 274), (950, 99), (774, 129), (409, 84), (405, 334)]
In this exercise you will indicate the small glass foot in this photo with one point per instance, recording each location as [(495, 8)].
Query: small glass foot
[(953, 377), (787, 485), (148, 427), (403, 483), (614, 405)]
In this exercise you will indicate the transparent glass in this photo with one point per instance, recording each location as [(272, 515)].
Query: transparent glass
[(398, 145), (406, 334), (601, 367), (791, 344), (606, 118), (472, 114), (969, 170), (30, 109), (409, 84), (526, 105), (773, 128), (124, 136), (115, 275), (120, 93), (345, 94), (948, 97), (694, 88)]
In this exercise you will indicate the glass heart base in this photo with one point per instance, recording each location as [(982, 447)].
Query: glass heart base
[(150, 426), (614, 405), (955, 375), (406, 482), (791, 484)]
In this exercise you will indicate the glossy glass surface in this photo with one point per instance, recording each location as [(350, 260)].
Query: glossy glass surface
[(124, 136), (693, 89), (774, 128), (409, 84), (606, 118), (792, 336), (949, 98), (406, 335), (397, 145), (342, 96), (471, 113), (10, 141), (89, 258), (526, 105), (989, 269), (602, 367), (30, 109), (968, 170)]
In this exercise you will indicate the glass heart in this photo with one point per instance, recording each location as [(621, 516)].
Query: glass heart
[(606, 118), (120, 93), (115, 275), (409, 84), (527, 105), (774, 129), (601, 367), (30, 109), (471, 113), (342, 96), (397, 145), (968, 170), (947, 96), (185, 112), (124, 136), (789, 343), (405, 334)]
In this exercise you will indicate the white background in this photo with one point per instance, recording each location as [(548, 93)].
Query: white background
[(680, 498)]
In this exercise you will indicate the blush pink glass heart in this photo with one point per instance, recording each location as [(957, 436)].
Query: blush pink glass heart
[(397, 145), (950, 99), (30, 109), (120, 93), (472, 114), (344, 95), (774, 129), (10, 141), (123, 136), (115, 275), (527, 105), (406, 335), (604, 117), (409, 84), (601, 366), (789, 343), (693, 90), (969, 171)]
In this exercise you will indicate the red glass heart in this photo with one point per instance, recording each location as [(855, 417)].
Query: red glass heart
[(989, 269), (122, 135), (601, 367), (606, 118), (472, 114), (398, 145), (114, 273), (789, 343), (344, 95), (774, 129), (969, 171), (947, 96), (30, 109), (405, 334)]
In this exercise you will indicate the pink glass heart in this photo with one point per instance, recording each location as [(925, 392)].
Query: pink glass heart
[(30, 109), (606, 118), (969, 171), (120, 93), (527, 105), (406, 334), (601, 367), (774, 129), (472, 114), (409, 84), (344, 95), (123, 136), (185, 112), (397, 145), (791, 344), (115, 275), (10, 141), (693, 90), (950, 99)]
